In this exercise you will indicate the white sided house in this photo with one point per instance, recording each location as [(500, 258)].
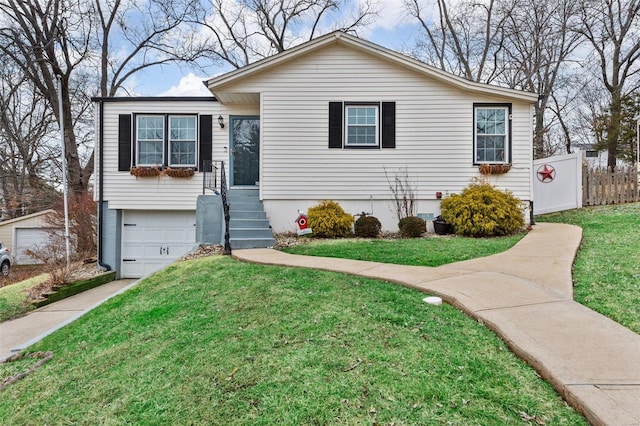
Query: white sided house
[(335, 118)]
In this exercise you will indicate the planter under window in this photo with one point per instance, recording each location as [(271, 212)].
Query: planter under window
[(178, 173), (494, 169), (441, 227), (145, 171)]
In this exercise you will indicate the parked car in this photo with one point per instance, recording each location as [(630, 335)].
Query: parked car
[(5, 260)]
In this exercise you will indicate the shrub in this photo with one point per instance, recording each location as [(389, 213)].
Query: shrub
[(367, 227), (481, 210), (328, 220), (412, 227)]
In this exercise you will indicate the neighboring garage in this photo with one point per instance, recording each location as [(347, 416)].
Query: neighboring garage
[(153, 239), (29, 239), (25, 233)]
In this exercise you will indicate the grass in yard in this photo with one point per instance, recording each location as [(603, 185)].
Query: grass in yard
[(14, 300), (433, 251), (216, 341), (606, 273)]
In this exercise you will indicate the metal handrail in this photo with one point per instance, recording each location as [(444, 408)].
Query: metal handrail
[(218, 184), (210, 176), (225, 206)]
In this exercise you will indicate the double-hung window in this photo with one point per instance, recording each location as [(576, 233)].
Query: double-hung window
[(166, 140), (491, 134), (182, 140), (362, 125), (150, 138)]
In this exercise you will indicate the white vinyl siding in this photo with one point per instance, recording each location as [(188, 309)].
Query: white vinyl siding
[(434, 138), (362, 128), (434, 131), (124, 191)]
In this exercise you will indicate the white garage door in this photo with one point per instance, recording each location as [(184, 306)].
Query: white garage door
[(153, 239), (29, 239)]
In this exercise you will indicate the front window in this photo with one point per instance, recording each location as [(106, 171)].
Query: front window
[(491, 134), (150, 135), (362, 125), (182, 141)]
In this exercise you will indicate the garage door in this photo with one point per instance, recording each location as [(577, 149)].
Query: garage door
[(29, 239), (153, 239)]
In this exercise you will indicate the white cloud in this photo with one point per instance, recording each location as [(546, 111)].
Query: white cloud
[(392, 15), (189, 85)]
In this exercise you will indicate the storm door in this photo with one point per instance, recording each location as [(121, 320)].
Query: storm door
[(245, 150)]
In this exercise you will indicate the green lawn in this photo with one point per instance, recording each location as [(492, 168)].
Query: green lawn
[(607, 269), (215, 341), (433, 251), (14, 300)]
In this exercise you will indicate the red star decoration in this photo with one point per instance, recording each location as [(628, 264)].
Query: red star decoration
[(546, 173)]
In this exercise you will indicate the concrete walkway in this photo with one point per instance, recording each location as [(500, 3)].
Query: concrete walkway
[(22, 332), (525, 296)]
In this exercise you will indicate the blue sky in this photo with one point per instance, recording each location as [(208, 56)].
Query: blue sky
[(392, 29)]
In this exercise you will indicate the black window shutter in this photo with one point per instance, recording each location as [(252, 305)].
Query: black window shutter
[(388, 124), (124, 142), (335, 124), (206, 129)]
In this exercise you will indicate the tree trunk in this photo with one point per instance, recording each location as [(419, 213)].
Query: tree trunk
[(613, 129)]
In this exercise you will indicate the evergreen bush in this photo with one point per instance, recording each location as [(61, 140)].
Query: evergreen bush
[(367, 227), (412, 227), (481, 210), (329, 220)]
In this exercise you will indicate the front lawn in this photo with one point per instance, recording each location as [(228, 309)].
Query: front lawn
[(216, 341), (606, 273), (14, 300), (433, 251)]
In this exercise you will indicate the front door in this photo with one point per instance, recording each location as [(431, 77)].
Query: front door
[(245, 150)]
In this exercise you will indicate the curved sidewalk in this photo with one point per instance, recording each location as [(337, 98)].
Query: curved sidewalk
[(525, 295)]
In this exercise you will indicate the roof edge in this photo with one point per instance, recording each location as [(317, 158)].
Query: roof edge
[(153, 98), (374, 49), (27, 216)]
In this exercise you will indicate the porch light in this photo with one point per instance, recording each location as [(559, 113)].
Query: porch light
[(221, 122)]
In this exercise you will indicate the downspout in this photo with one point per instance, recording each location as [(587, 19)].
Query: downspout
[(101, 265)]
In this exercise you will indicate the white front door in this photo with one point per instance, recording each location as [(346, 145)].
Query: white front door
[(153, 239)]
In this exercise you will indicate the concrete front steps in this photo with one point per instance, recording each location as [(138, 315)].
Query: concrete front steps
[(248, 224)]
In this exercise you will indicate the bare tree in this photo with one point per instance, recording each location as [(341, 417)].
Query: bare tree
[(26, 126), (539, 46), (466, 39), (75, 41), (128, 44), (612, 27), (243, 32)]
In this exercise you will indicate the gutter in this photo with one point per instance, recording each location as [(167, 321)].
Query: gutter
[(101, 265)]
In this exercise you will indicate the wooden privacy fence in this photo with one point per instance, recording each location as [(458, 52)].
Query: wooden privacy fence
[(601, 185)]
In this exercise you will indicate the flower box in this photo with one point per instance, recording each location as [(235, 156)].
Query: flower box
[(145, 171), (494, 169), (178, 173)]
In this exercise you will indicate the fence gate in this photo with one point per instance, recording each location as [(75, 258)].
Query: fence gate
[(557, 183)]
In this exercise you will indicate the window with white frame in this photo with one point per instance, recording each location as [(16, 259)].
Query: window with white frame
[(491, 134), (150, 140), (362, 125), (182, 140), (166, 140)]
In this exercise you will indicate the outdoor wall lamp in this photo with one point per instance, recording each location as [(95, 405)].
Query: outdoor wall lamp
[(221, 122)]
